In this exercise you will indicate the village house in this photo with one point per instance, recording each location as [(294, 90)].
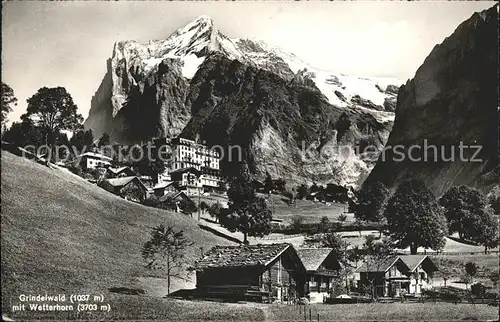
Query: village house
[(162, 188), (187, 180), (174, 197), (322, 268), (396, 275), (112, 172), (272, 272), (130, 188), (92, 160), (420, 271)]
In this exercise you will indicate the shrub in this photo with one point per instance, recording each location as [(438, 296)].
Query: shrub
[(297, 223), (478, 289)]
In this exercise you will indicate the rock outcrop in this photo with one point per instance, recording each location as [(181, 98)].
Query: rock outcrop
[(452, 100)]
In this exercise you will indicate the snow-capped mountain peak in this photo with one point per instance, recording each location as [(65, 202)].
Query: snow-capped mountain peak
[(193, 42)]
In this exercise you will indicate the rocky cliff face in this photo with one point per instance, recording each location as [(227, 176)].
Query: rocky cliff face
[(452, 100), (199, 83)]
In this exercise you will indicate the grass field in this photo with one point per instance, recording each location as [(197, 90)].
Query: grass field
[(60, 234), (486, 263), (386, 312), (310, 210)]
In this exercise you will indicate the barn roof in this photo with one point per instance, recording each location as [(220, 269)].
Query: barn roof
[(118, 170), (95, 155), (380, 266), (173, 195), (413, 261), (312, 258), (242, 255), (162, 185), (120, 182)]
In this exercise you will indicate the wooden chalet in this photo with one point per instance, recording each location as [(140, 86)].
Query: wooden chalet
[(112, 172), (163, 188), (322, 268), (394, 275), (174, 197), (251, 272), (130, 188)]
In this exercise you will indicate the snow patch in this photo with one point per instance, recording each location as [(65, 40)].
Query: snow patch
[(191, 65)]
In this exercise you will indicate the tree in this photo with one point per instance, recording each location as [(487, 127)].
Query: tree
[(8, 99), (415, 219), (376, 251), (495, 204), (166, 250), (342, 218), (290, 197), (247, 213), (471, 270), (149, 167), (372, 200), (445, 273), (53, 110), (23, 134), (358, 224), (302, 191), (203, 206), (461, 204), (280, 185), (324, 225), (222, 185), (297, 222), (216, 210), (355, 255), (104, 140), (188, 207), (494, 277), (468, 212), (333, 240), (268, 184), (484, 229), (168, 204), (82, 141)]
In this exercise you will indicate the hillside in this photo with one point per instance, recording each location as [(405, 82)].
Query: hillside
[(61, 234)]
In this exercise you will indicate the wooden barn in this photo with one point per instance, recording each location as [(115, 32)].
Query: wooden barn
[(322, 268), (130, 188), (264, 273)]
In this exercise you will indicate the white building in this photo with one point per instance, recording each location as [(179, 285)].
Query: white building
[(194, 166), (92, 160)]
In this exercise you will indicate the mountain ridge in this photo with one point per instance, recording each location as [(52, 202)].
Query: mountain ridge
[(155, 90)]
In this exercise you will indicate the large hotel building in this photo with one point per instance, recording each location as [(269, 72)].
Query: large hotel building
[(193, 166)]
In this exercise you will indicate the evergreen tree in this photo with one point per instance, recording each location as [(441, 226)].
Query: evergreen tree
[(247, 213)]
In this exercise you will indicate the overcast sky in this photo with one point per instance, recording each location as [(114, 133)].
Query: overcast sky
[(67, 43)]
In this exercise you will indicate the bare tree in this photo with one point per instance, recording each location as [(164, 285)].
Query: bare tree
[(166, 250)]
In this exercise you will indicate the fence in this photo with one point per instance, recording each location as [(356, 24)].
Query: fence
[(306, 311)]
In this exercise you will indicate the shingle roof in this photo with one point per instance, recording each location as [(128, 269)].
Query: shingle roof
[(312, 258), (120, 182), (243, 255), (117, 170), (380, 266), (187, 169), (412, 261), (95, 155), (162, 185), (170, 195)]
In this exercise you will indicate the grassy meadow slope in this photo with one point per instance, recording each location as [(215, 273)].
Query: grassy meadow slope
[(61, 234)]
